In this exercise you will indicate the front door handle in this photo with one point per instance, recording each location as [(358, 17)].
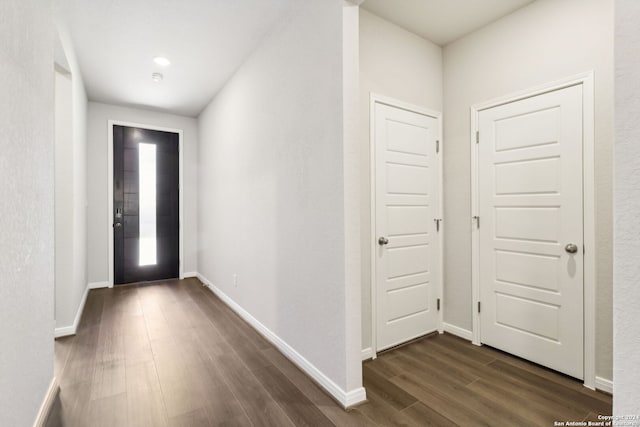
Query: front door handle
[(117, 224), (571, 248), (383, 241)]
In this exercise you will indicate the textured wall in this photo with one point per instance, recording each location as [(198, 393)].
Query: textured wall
[(26, 173), (271, 207), (400, 65), (545, 41), (97, 185), (626, 375)]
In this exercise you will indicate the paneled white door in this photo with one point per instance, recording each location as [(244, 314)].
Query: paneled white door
[(531, 229), (407, 202)]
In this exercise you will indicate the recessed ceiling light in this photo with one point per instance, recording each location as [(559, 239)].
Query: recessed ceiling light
[(162, 61), (156, 77)]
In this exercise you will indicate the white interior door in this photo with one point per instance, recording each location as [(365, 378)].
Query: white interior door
[(531, 212), (407, 201)]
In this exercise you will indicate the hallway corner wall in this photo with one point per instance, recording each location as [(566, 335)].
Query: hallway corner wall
[(71, 190), (271, 188)]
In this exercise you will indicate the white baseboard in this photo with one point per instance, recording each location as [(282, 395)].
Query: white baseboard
[(346, 399), (367, 353), (457, 331), (47, 403), (65, 331), (354, 397), (98, 285), (604, 384), (190, 274)]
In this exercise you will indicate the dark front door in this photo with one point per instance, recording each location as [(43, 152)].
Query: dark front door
[(145, 205)]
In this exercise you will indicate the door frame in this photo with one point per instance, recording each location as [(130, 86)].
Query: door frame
[(374, 99), (110, 125), (588, 178)]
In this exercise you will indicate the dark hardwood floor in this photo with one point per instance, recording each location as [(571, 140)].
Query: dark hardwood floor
[(172, 354)]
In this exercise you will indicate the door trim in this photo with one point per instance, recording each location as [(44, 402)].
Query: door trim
[(588, 176), (374, 99), (110, 124)]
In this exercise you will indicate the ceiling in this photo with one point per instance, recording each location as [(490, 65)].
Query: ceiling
[(442, 21), (205, 40)]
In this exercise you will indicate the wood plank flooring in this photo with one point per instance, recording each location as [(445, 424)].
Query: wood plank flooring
[(172, 354)]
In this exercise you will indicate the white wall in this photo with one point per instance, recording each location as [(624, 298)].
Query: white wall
[(351, 196), (97, 182), (545, 41), (71, 189), (401, 65), (626, 375), (80, 106), (63, 194), (27, 211), (271, 199)]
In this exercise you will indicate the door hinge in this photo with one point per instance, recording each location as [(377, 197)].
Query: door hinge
[(476, 218), (437, 221), (477, 137), (438, 304), (478, 306), (437, 146)]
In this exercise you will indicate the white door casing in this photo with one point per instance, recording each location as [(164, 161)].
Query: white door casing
[(530, 189), (407, 192)]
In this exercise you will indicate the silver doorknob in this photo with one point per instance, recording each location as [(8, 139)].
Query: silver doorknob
[(117, 224), (571, 248), (383, 241)]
